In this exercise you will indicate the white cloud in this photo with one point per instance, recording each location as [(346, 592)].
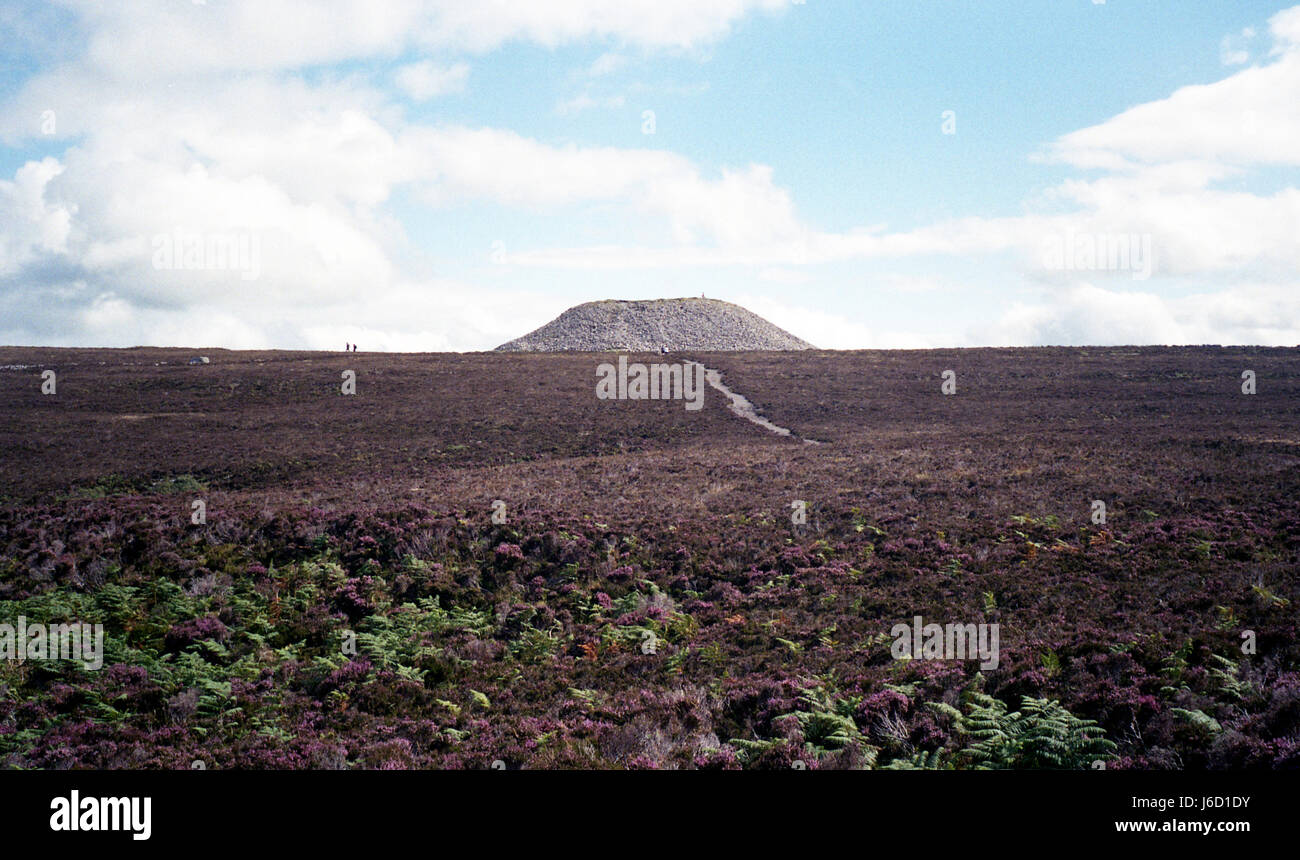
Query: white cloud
[(651, 23), (779, 275), (1267, 315), (1233, 51), (1285, 28), (425, 80), (305, 171), (828, 330), (294, 173), (406, 316), (912, 283), (1250, 117), (1163, 166), (149, 39), (741, 207), (182, 121), (32, 224), (606, 64)]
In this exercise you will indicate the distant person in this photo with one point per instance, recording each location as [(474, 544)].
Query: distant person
[(347, 347)]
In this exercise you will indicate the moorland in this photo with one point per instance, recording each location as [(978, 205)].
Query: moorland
[(474, 559)]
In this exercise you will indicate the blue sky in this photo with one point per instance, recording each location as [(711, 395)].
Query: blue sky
[(446, 176)]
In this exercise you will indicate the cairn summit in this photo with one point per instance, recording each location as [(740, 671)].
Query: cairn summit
[(703, 325)]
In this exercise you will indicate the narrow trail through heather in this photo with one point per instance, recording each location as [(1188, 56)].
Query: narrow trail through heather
[(741, 406)]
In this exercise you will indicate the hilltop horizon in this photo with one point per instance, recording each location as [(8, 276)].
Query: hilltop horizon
[(814, 350), (649, 325)]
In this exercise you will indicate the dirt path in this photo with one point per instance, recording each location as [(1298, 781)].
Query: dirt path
[(742, 407)]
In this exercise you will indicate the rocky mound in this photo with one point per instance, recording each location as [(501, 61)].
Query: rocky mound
[(705, 325)]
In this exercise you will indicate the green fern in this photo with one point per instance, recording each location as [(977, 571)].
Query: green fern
[(1199, 720), (749, 750), (922, 760), (1042, 734), (826, 721), (1224, 673)]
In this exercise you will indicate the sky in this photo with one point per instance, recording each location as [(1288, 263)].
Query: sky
[(430, 175)]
